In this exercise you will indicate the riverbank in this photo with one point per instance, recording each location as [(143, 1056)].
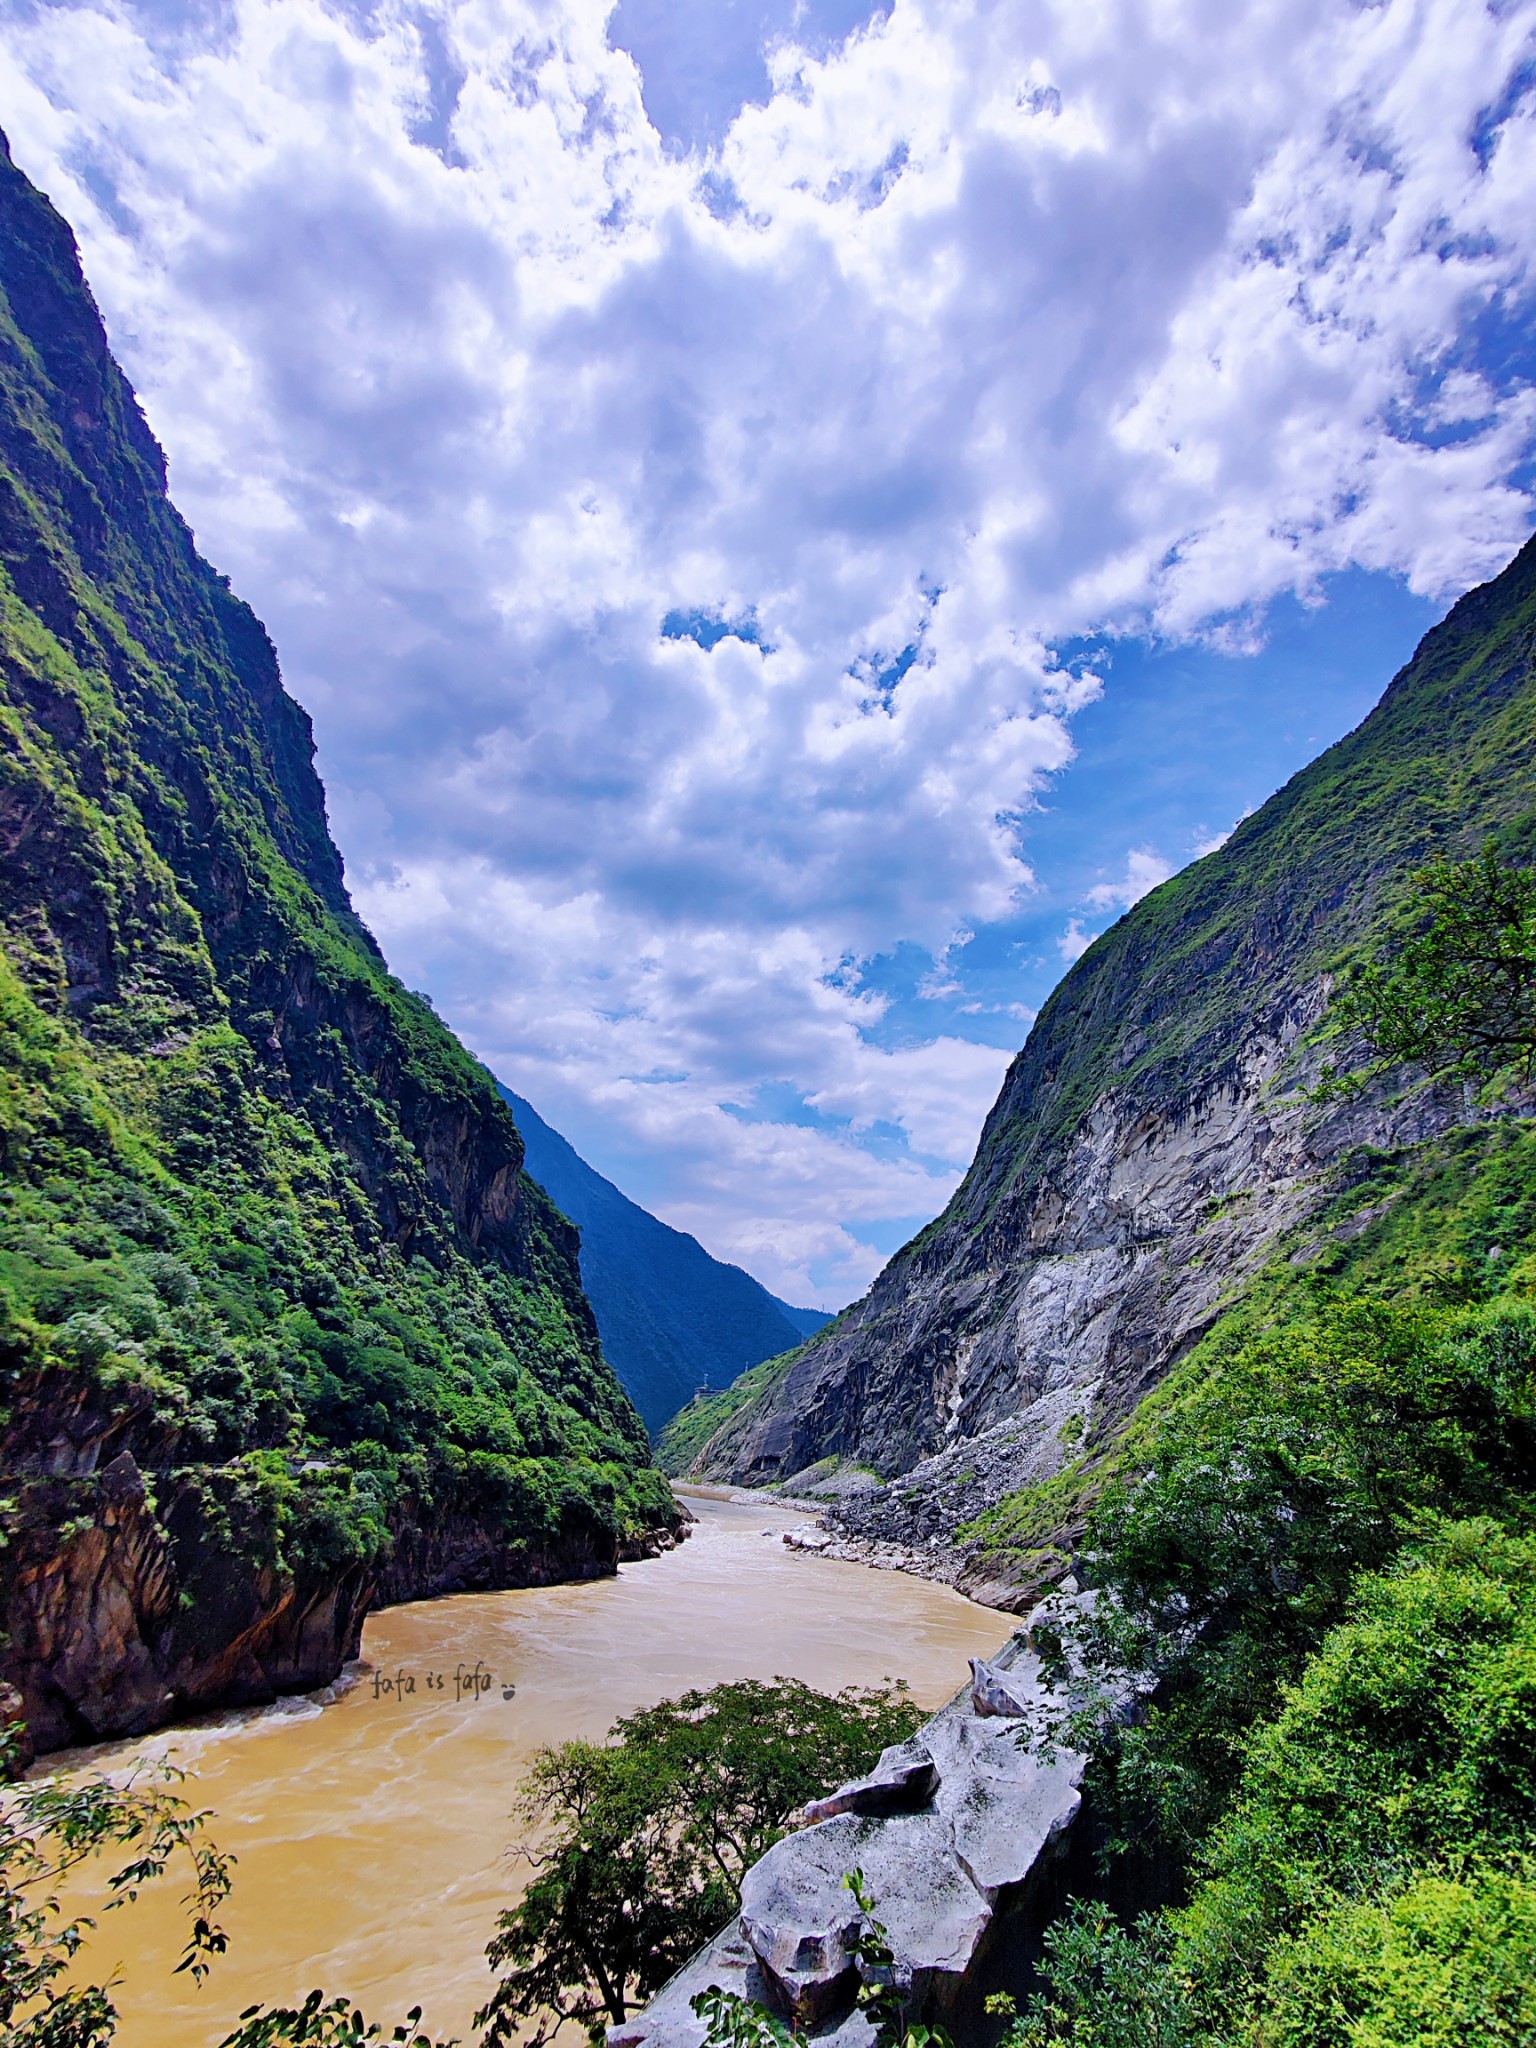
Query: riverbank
[(939, 1562)]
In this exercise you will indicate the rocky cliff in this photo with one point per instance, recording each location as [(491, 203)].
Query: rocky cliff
[(963, 1836), (284, 1325), (1152, 1149)]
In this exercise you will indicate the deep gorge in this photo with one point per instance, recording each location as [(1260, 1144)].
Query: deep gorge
[(1237, 1356)]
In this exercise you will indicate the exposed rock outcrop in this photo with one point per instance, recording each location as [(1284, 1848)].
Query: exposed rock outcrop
[(1053, 1346), (121, 1615), (955, 1832), (1152, 1147)]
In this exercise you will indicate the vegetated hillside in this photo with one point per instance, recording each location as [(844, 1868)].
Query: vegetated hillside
[(285, 1328), (672, 1319), (1152, 1148)]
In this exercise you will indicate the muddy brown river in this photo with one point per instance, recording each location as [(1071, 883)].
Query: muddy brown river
[(373, 1833)]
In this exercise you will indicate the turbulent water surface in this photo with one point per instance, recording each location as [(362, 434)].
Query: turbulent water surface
[(373, 1833)]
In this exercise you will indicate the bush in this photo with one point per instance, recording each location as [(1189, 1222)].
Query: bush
[(1307, 1457), (1408, 1747), (1447, 1960), (1371, 1883), (643, 1840)]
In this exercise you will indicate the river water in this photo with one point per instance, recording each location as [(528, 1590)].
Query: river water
[(373, 1833)]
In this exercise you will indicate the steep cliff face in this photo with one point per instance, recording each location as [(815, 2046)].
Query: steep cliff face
[(1151, 1148), (283, 1323)]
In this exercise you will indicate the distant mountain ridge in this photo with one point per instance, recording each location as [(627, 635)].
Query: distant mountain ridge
[(672, 1318)]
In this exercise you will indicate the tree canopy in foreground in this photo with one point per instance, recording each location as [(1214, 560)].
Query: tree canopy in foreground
[(641, 1842)]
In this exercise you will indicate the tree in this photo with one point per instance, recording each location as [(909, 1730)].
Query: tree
[(1459, 994), (47, 1831), (645, 1838), (324, 2023)]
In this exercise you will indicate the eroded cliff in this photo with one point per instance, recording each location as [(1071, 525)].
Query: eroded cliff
[(1153, 1148)]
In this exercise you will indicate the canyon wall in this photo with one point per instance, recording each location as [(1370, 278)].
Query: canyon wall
[(285, 1328), (1154, 1145)]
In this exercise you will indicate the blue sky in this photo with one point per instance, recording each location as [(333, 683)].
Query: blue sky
[(699, 66), (1185, 740), (789, 517)]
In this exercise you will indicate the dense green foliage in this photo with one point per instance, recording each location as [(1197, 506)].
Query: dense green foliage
[(1458, 994), (1319, 1546), (1318, 1543), (1372, 1882), (1297, 1465), (707, 1414), (260, 1210), (304, 1373), (642, 1841)]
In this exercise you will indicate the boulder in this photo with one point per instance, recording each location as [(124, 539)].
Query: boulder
[(996, 1692), (905, 1778), (950, 1830), (730, 1964), (800, 1917)]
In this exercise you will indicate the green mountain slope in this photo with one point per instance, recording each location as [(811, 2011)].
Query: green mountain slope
[(285, 1329), (1152, 1151), (672, 1318)]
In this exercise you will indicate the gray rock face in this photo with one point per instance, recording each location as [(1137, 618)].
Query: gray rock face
[(993, 1695), (949, 1830), (905, 1779), (800, 1918), (118, 1615), (975, 1367), (1151, 1148)]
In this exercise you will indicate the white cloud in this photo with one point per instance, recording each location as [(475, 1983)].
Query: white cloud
[(1074, 941), (994, 324), (1144, 869), (1217, 839)]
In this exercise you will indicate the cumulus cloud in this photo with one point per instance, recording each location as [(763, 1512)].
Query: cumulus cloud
[(1144, 869), (978, 327), (1074, 941)]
